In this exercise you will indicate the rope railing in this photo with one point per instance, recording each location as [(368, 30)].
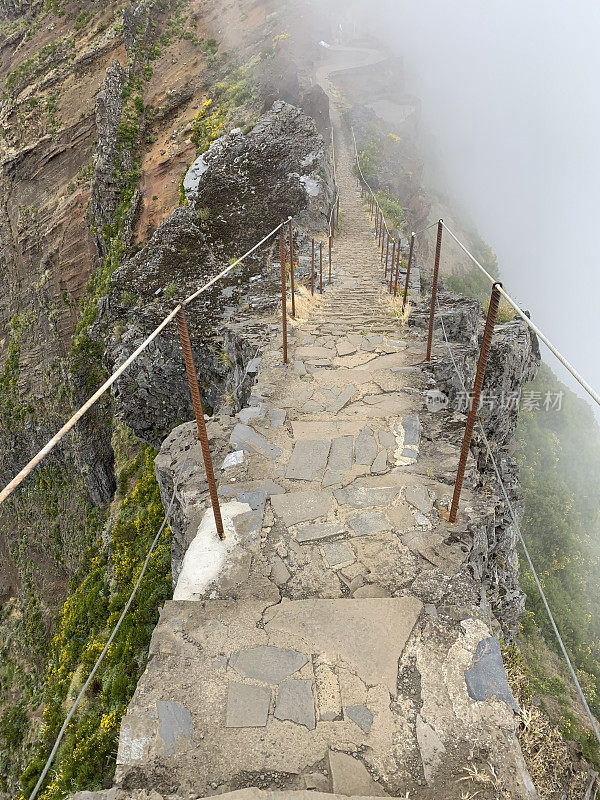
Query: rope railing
[(178, 313), (110, 639), (472, 418)]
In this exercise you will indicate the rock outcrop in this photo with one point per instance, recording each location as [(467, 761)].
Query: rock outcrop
[(513, 362), (238, 191)]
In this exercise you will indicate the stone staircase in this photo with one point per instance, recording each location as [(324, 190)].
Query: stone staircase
[(337, 642)]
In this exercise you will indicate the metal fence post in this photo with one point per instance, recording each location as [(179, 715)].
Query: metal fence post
[(330, 246), (321, 267), (477, 386), (387, 255), (436, 269), (283, 293), (186, 346), (397, 270), (292, 269), (393, 262), (312, 269), (410, 258)]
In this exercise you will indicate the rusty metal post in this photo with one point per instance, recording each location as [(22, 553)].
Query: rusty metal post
[(408, 265), (376, 211), (312, 269), (397, 270), (436, 269), (387, 255), (292, 270), (393, 263), (330, 246), (337, 213), (186, 346), (283, 293), (321, 267), (381, 230), (477, 386)]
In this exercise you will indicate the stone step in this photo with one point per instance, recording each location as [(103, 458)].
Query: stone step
[(240, 693), (356, 697)]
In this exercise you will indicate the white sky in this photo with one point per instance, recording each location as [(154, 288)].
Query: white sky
[(510, 92)]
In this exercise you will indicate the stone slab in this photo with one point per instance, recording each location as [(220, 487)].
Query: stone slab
[(379, 465), (350, 777), (243, 437), (267, 664), (340, 455), (338, 554), (365, 447), (332, 479), (308, 460), (173, 721), (361, 715), (366, 496), (319, 531), (369, 522), (247, 706), (295, 507), (487, 677), (369, 633), (295, 703), (346, 395), (345, 348), (419, 497)]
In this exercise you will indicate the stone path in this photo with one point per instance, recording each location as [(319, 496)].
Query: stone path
[(337, 642)]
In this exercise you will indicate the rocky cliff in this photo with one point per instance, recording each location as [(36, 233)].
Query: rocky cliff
[(100, 235)]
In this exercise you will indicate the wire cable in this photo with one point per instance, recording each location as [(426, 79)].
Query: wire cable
[(554, 350), (515, 521), (75, 705)]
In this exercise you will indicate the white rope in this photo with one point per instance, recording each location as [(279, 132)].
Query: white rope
[(75, 705), (568, 366), (51, 444), (521, 539), (233, 266)]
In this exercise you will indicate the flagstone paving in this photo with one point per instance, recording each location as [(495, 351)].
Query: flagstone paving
[(344, 645)]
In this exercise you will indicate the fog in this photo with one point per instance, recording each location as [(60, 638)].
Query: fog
[(511, 103)]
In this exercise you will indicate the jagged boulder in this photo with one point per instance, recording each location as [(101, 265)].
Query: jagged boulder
[(281, 167), (238, 191)]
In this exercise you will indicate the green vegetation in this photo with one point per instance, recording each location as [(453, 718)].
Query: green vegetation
[(13, 413), (369, 156), (474, 283), (43, 61), (98, 594), (216, 113), (86, 353), (82, 19), (558, 451), (51, 109), (391, 208)]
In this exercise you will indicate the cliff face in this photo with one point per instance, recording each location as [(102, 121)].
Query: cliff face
[(103, 110)]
